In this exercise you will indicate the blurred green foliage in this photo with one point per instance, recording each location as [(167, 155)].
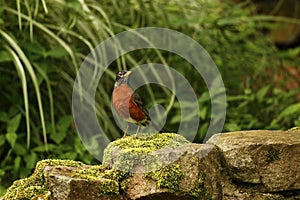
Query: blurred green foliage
[(44, 42)]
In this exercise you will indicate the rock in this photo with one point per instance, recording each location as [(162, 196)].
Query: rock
[(250, 165), (269, 159), (152, 151), (65, 179), (181, 169), (69, 184), (34, 187), (191, 176)]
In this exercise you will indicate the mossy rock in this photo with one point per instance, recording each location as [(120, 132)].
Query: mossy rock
[(34, 186), (149, 152), (59, 179), (87, 182), (167, 177)]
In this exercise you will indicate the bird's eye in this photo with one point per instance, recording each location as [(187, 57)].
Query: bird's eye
[(120, 74)]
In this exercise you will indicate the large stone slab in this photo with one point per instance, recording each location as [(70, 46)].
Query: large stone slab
[(262, 157)]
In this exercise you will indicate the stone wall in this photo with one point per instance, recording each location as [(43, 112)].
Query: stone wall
[(255, 164)]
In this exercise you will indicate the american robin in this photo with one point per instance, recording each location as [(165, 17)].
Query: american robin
[(128, 104)]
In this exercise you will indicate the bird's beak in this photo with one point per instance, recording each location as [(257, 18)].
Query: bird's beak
[(128, 73)]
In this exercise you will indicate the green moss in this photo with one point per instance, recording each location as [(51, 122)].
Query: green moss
[(116, 175), (34, 186), (273, 155), (110, 179), (91, 173), (295, 128), (128, 158), (167, 177), (200, 190), (108, 184), (26, 188), (131, 151), (120, 177), (123, 154), (108, 187), (151, 142)]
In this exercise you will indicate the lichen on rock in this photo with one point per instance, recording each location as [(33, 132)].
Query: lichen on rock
[(146, 151), (167, 177), (34, 186), (273, 154), (238, 165), (200, 190)]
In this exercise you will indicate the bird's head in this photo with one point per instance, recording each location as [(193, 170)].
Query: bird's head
[(122, 77)]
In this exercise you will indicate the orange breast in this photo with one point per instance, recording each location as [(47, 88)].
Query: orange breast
[(125, 108)]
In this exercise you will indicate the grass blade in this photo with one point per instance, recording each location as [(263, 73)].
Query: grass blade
[(32, 74), (22, 76)]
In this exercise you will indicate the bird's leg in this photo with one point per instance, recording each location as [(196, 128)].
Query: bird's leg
[(126, 130), (137, 131)]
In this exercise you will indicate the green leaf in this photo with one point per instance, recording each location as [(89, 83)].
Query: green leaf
[(75, 6), (232, 127), (175, 119), (2, 140), (58, 137), (2, 172), (203, 112), (79, 148), (41, 149), (248, 91), (204, 97), (11, 138), (13, 124), (35, 48), (57, 53), (294, 108), (65, 121), (262, 93), (12, 111), (17, 164), (69, 156), (2, 188), (3, 116), (19, 149), (5, 56), (30, 160), (203, 129), (237, 97)]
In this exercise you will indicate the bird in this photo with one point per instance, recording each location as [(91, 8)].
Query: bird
[(128, 104)]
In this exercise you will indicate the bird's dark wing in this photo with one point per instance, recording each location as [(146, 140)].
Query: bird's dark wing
[(138, 101)]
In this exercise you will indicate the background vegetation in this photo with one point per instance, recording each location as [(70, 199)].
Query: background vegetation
[(44, 42)]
